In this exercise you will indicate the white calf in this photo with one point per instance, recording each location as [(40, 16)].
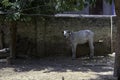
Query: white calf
[(80, 37)]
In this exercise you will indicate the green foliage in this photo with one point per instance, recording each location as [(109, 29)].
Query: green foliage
[(14, 8), (72, 5), (11, 10), (6, 3), (40, 7)]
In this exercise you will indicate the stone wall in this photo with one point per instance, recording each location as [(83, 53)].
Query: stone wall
[(43, 36)]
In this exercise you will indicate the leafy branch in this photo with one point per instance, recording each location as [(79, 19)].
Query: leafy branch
[(14, 8)]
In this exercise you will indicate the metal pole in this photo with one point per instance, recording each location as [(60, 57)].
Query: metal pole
[(111, 21)]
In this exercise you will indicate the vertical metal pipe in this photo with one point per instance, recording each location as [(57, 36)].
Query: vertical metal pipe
[(111, 24)]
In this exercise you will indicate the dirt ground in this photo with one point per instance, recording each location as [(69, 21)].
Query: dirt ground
[(59, 68)]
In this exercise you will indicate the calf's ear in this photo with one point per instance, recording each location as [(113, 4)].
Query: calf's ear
[(62, 32)]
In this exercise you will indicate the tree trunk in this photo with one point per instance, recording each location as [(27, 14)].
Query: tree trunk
[(1, 39), (13, 31), (117, 55)]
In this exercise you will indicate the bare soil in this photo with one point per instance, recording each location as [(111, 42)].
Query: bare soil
[(59, 68)]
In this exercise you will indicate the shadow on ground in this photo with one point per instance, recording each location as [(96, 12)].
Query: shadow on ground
[(98, 64)]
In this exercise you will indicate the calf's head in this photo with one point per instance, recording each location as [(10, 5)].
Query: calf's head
[(67, 33)]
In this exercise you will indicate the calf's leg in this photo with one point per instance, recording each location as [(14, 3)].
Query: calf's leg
[(74, 51), (91, 47)]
